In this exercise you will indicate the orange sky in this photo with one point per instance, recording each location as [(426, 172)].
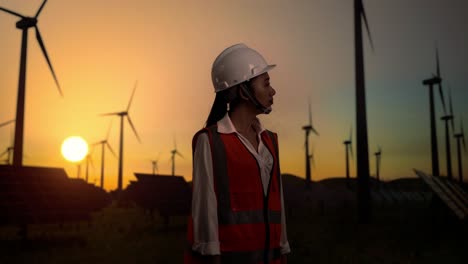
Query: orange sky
[(100, 48)]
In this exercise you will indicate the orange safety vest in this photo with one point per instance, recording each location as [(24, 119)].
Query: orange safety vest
[(249, 222)]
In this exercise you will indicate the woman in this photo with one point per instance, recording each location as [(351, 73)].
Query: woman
[(237, 203)]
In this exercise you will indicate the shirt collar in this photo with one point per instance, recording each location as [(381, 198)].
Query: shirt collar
[(225, 125)]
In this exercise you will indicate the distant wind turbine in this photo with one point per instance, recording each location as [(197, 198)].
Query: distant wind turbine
[(104, 143), (308, 128), (122, 115), (24, 24), (435, 80), (173, 153), (154, 163), (363, 190), (9, 149), (348, 149), (446, 118), (7, 152), (460, 137), (89, 160), (378, 156)]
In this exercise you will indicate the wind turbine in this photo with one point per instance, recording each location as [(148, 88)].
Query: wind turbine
[(103, 144), (173, 153), (122, 115), (378, 156), (155, 165), (9, 149), (435, 80), (448, 152), (89, 160), (8, 152), (24, 24), (363, 190), (308, 128), (460, 137), (348, 149)]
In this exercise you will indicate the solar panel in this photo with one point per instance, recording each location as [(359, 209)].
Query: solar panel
[(447, 194), (38, 195), (170, 195)]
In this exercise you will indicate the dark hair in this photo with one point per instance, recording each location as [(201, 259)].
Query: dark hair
[(219, 108)]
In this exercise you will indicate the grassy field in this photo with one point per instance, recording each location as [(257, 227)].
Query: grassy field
[(412, 234)]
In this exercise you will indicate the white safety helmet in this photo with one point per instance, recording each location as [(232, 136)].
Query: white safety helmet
[(237, 64)]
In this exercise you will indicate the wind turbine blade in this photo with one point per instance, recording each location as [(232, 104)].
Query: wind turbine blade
[(133, 128), (315, 131), (107, 114), (363, 13), (178, 153), (44, 51), (351, 134), (40, 9), (110, 148), (351, 150), (12, 12), (440, 84), (310, 113), (312, 160), (131, 97), (7, 122)]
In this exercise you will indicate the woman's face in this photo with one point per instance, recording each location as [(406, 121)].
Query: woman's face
[(263, 90)]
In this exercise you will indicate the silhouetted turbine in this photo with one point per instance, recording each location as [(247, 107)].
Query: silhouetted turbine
[(448, 151), (377, 163), (103, 144), (122, 115), (308, 128), (348, 147), (435, 80), (9, 150), (24, 24), (173, 153), (363, 190), (155, 166), (89, 160), (460, 137)]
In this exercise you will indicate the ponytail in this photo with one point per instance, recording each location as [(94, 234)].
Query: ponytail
[(220, 108)]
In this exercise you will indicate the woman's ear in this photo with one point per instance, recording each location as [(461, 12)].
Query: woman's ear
[(242, 92)]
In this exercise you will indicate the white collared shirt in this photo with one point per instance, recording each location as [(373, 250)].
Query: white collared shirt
[(204, 205)]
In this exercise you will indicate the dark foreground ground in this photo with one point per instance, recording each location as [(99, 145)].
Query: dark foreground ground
[(319, 232)]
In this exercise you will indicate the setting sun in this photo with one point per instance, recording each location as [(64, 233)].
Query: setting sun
[(74, 148)]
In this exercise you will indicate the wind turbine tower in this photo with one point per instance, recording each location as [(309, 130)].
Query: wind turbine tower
[(348, 149), (24, 24), (308, 128), (363, 190), (378, 156), (460, 137), (448, 152)]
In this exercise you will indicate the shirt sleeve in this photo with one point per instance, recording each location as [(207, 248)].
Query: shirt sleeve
[(204, 204), (284, 244)]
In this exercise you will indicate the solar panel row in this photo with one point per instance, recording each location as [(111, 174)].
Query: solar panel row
[(38, 195), (449, 192)]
